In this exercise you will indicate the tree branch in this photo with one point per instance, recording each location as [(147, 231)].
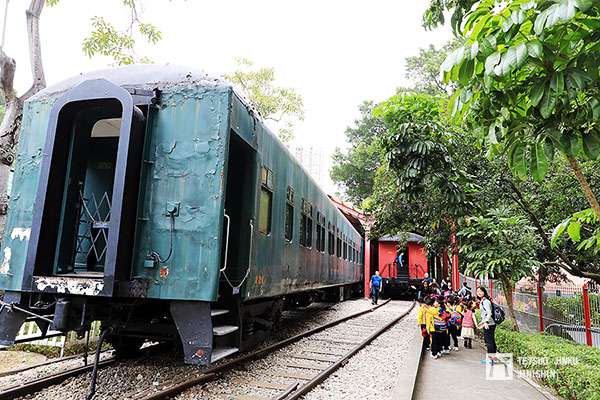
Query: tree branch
[(587, 190), (35, 49), (522, 202)]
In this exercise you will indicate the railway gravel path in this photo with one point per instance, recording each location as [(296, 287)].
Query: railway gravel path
[(373, 372), (295, 364), (130, 376)]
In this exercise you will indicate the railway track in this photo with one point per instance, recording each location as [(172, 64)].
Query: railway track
[(45, 364), (30, 387), (33, 386), (300, 363)]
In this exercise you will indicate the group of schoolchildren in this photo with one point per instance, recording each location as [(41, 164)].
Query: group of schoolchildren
[(445, 317)]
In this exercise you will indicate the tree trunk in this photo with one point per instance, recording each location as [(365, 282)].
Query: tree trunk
[(507, 288), (587, 190), (11, 122)]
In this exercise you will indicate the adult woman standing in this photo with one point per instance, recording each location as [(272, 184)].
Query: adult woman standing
[(487, 320)]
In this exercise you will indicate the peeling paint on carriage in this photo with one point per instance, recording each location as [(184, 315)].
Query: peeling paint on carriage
[(77, 286), (20, 233)]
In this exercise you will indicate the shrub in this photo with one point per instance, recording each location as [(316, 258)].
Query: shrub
[(572, 381)]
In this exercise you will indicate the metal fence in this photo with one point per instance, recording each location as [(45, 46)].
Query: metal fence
[(30, 330), (568, 310)]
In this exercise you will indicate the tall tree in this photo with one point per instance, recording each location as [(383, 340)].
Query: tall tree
[(104, 39), (354, 170), (424, 69), (500, 245), (528, 82), (281, 105)]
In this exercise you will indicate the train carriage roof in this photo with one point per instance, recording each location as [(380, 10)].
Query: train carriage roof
[(139, 76)]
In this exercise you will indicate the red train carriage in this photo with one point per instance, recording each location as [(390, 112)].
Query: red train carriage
[(402, 278)]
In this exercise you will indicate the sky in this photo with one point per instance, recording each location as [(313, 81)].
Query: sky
[(334, 53)]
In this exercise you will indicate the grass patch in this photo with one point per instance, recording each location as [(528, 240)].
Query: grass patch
[(72, 347), (573, 381)]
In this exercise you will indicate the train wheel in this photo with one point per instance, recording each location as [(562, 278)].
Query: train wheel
[(126, 346)]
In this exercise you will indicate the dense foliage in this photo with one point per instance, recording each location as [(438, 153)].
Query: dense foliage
[(528, 83), (500, 244), (354, 169)]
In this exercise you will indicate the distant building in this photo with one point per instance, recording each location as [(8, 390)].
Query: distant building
[(316, 162)]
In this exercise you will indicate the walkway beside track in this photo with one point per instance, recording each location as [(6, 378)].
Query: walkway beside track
[(462, 375)]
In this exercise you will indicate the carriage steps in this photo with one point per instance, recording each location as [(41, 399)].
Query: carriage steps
[(220, 331)]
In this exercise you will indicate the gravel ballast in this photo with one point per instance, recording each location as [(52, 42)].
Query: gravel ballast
[(121, 380), (372, 373)]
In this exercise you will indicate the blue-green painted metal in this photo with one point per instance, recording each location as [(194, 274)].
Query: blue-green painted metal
[(186, 162)]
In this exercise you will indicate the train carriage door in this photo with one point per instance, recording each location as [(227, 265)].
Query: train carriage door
[(239, 209)]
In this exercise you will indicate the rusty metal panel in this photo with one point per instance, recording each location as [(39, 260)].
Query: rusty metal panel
[(184, 166), (17, 230)]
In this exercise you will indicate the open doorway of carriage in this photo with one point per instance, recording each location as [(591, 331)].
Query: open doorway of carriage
[(236, 248)]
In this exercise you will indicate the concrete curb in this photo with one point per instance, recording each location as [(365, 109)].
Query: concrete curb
[(406, 383)]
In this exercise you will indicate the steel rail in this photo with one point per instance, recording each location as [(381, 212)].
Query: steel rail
[(30, 387), (317, 380), (43, 364), (213, 373)]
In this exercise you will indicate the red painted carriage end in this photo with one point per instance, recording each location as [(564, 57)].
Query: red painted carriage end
[(417, 259), (367, 267)]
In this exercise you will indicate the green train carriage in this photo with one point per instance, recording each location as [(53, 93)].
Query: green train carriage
[(155, 200)]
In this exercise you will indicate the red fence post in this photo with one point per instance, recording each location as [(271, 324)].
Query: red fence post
[(587, 315), (492, 289), (367, 267), (454, 243), (540, 299)]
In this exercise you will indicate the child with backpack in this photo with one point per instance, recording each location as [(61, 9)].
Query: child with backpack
[(456, 319), (436, 327), (421, 321), (469, 323)]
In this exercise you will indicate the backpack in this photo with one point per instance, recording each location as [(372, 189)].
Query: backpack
[(439, 325), (498, 314), (456, 318)]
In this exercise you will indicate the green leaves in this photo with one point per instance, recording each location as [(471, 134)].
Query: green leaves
[(107, 40), (548, 103), (537, 91), (539, 161), (516, 159), (539, 61), (500, 244), (585, 220), (282, 105), (591, 145), (535, 49)]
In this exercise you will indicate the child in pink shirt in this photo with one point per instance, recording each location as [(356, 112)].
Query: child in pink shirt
[(469, 323)]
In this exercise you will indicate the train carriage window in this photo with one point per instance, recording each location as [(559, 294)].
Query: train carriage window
[(318, 243), (323, 233), (306, 224), (266, 201), (289, 214), (345, 249), (338, 244), (331, 240)]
